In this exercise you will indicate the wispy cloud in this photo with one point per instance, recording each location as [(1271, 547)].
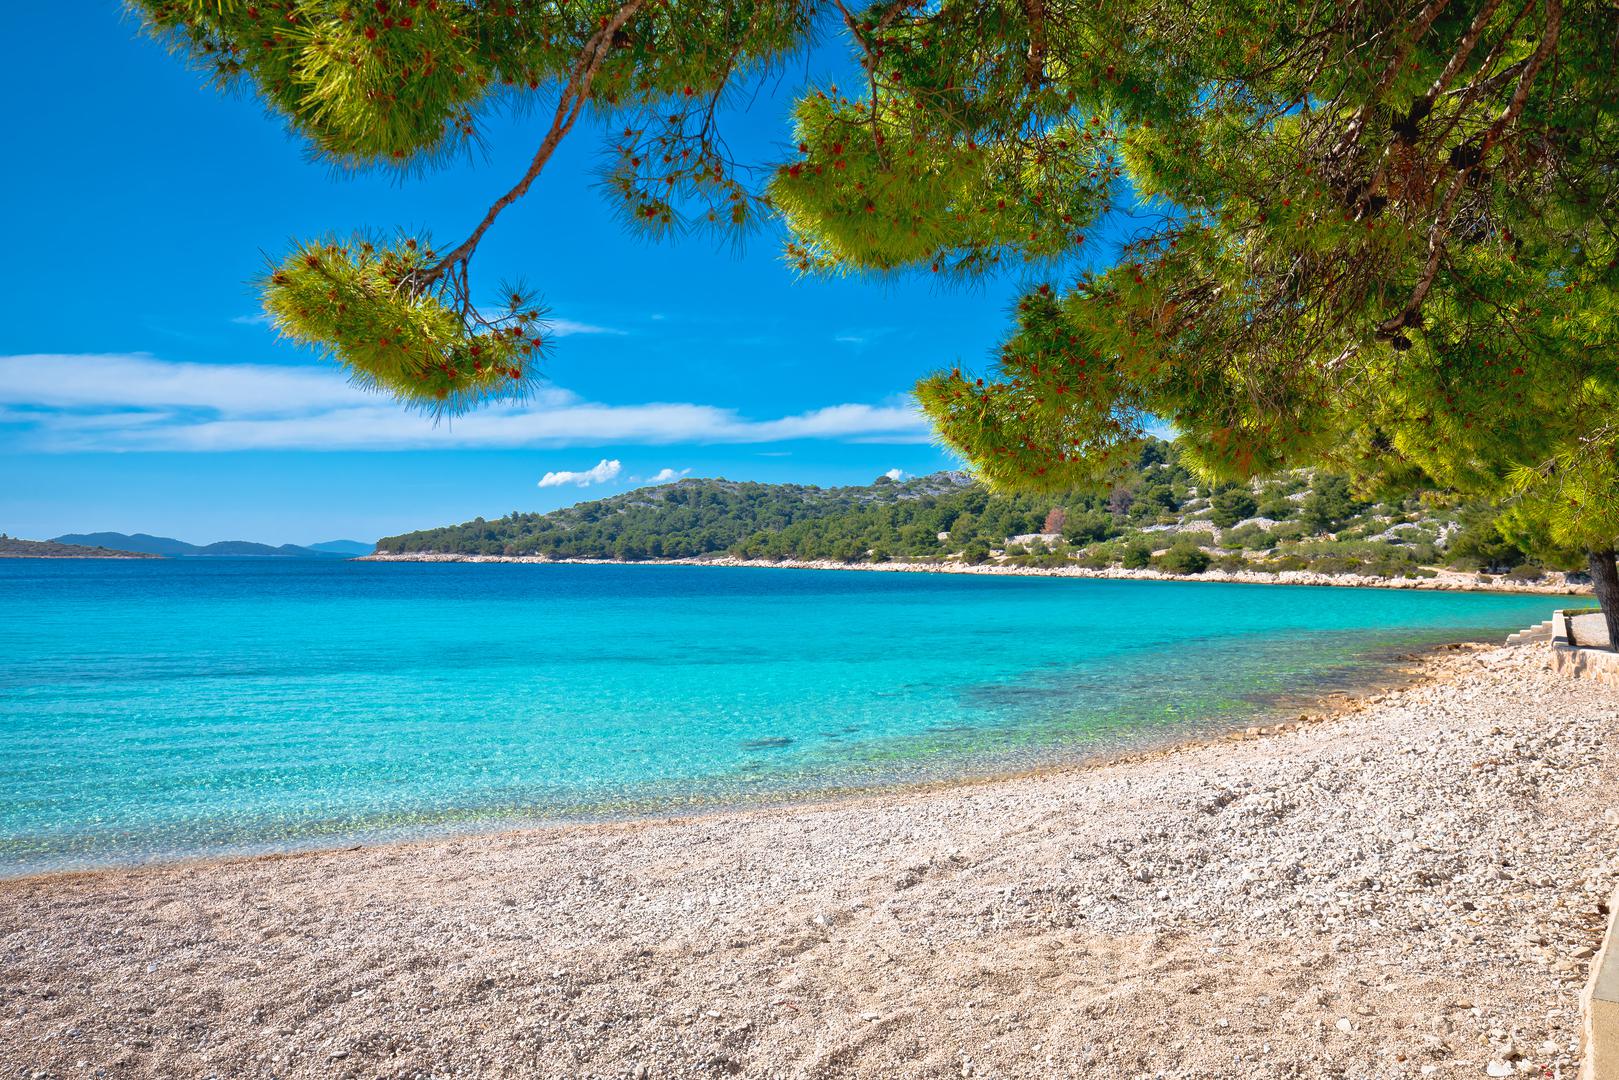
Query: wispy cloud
[(862, 336), (261, 319), (568, 328), (138, 402), (599, 473)]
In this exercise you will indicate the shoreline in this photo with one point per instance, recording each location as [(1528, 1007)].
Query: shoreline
[(1398, 669), (1444, 581), (1408, 889)]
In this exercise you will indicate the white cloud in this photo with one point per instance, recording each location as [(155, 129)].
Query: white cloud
[(568, 328), (137, 402), (895, 475), (664, 476), (136, 380), (599, 473), (261, 319), (849, 339)]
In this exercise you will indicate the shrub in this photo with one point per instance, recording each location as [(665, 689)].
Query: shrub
[(1329, 503), (1526, 572), (1248, 536), (1286, 532), (1088, 526), (975, 553), (1136, 555), (1096, 558), (1183, 559), (1231, 564), (1232, 505)]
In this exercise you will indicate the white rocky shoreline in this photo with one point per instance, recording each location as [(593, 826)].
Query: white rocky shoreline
[(1554, 584), (1411, 887)]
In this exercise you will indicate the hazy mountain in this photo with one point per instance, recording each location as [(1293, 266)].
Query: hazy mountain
[(145, 543), (141, 542), (342, 547)]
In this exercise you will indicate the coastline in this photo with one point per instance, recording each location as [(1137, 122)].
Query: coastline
[(1398, 886), (1443, 581)]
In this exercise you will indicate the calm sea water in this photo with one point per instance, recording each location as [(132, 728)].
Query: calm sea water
[(158, 709)]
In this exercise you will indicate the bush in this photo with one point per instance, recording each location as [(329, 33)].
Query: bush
[(1231, 564), (1182, 559), (1526, 572), (1096, 558), (1089, 526), (1248, 536), (1329, 503), (1136, 555), (975, 553), (1154, 500), (1232, 505)]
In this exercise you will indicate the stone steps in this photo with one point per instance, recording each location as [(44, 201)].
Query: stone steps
[(1533, 634)]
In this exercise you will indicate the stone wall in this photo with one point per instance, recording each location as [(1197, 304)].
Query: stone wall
[(1599, 1006)]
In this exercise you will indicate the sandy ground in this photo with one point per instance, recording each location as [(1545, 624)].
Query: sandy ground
[(1555, 583), (1411, 889)]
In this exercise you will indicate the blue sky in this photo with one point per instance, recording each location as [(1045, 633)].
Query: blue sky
[(139, 390)]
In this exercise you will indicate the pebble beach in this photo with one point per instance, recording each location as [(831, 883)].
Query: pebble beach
[(1409, 886), (1553, 583)]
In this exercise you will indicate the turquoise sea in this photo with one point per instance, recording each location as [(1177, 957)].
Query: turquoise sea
[(172, 708)]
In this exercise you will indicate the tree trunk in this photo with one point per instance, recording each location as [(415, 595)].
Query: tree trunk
[(1605, 583)]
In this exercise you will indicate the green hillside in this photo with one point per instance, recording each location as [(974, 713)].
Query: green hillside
[(1157, 515)]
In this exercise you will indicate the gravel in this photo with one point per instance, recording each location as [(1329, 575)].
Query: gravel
[(1409, 888)]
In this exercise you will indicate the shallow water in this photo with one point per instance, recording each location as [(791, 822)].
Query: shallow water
[(156, 709)]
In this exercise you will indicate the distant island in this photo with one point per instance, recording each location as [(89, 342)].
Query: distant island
[(12, 548), (146, 544), (1157, 518)]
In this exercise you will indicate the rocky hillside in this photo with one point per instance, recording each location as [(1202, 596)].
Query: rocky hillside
[(1156, 516)]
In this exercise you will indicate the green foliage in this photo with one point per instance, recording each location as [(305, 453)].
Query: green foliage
[(361, 300), (880, 188), (1135, 554), (1182, 558), (1329, 504), (1479, 545), (1231, 505), (1089, 526)]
